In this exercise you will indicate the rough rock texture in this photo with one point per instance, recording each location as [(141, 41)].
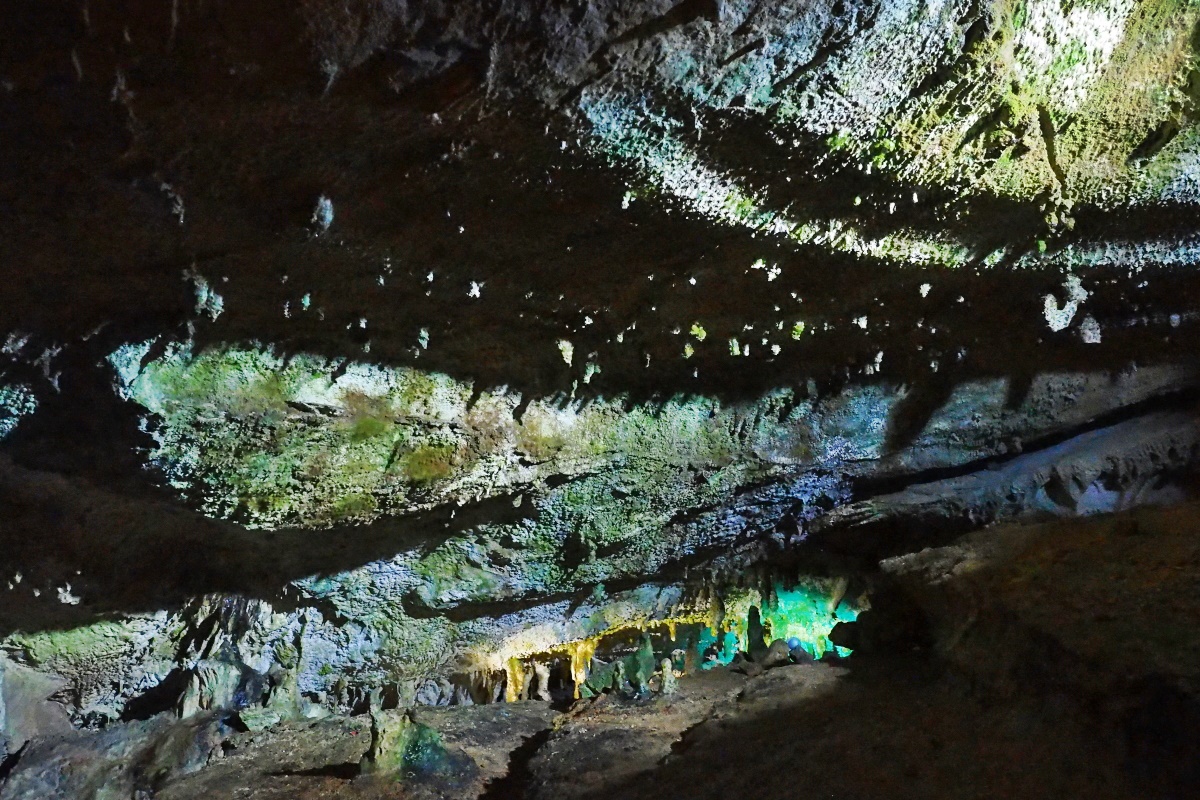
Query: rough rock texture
[(1054, 660), (1140, 590), (359, 354), (1041, 660)]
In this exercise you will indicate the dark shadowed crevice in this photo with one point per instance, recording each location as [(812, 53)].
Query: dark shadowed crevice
[(516, 782), (10, 761)]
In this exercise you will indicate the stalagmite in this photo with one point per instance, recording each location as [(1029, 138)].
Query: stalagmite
[(668, 676), (541, 672)]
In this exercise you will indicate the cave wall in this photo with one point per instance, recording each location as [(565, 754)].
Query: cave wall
[(377, 342)]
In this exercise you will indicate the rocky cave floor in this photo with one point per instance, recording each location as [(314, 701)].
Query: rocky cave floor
[(1051, 660)]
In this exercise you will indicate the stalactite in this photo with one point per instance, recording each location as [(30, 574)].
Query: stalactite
[(581, 658), (839, 591), (716, 612), (526, 682), (514, 675)]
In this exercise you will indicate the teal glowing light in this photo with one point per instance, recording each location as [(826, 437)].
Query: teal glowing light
[(725, 641), (16, 401), (808, 614)]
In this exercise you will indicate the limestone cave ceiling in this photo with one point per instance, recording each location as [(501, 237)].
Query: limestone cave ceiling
[(444, 333)]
